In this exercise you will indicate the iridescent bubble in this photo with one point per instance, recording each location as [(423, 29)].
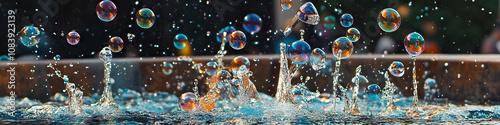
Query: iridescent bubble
[(189, 102), (317, 59), (353, 34), (286, 4), (346, 20), (223, 78), (180, 41), (116, 44), (362, 81), (29, 35), (237, 40), (397, 69), (145, 18), (238, 62), (4, 58), (167, 68), (373, 92), (329, 22), (299, 52), (105, 54), (252, 23), (73, 38), (106, 10), (211, 68), (414, 44), (307, 14), (389, 20), (228, 30), (342, 48), (431, 82), (57, 57)]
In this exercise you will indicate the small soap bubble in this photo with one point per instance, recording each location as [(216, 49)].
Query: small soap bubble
[(346, 20), (397, 69), (329, 22), (414, 44), (237, 40), (73, 38), (211, 68), (373, 92), (252, 23), (57, 57), (286, 4), (106, 10), (145, 18), (116, 44), (189, 102), (167, 68), (342, 48), (30, 35), (317, 59), (238, 62), (389, 20), (353, 34), (299, 52), (180, 41)]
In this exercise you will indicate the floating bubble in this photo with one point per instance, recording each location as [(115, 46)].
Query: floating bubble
[(238, 62), (145, 18), (211, 68), (307, 14), (317, 59), (73, 38), (116, 44), (397, 69), (414, 44), (106, 10), (4, 58), (362, 81), (252, 23), (342, 48), (389, 20), (228, 30), (286, 4), (105, 54), (223, 78), (180, 41), (346, 20), (29, 35), (167, 68), (299, 52), (130, 37), (353, 34), (57, 57), (237, 40), (189, 102), (329, 22), (431, 82), (373, 92)]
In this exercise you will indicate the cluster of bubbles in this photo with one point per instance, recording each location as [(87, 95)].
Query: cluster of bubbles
[(299, 52), (167, 68), (145, 18), (73, 38), (342, 48), (346, 20), (238, 62), (252, 23), (189, 102), (115, 44), (389, 20), (237, 40), (106, 10), (30, 35), (397, 69), (180, 41), (414, 44)]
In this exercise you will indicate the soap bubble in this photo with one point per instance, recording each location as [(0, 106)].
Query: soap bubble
[(180, 41), (286, 4), (252, 23), (145, 18), (223, 78), (211, 68), (238, 62), (189, 102), (167, 68), (116, 44), (299, 52), (344, 46), (317, 59), (105, 54), (29, 35), (414, 44), (353, 34), (397, 69), (237, 40), (373, 92), (106, 10), (308, 14), (389, 20), (329, 22), (362, 81), (346, 20), (229, 30), (73, 38), (431, 82)]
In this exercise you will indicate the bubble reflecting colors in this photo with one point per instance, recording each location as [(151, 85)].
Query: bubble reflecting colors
[(29, 35), (189, 102), (116, 44), (57, 57), (106, 10), (308, 14), (167, 68), (145, 18), (223, 78), (180, 41), (342, 48), (373, 92), (252, 23), (389, 20), (237, 40), (353, 34), (346, 20), (431, 82), (329, 22), (211, 68), (73, 38), (228, 30), (317, 59), (414, 44), (105, 54), (238, 62), (397, 69), (299, 52), (286, 4), (362, 81)]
